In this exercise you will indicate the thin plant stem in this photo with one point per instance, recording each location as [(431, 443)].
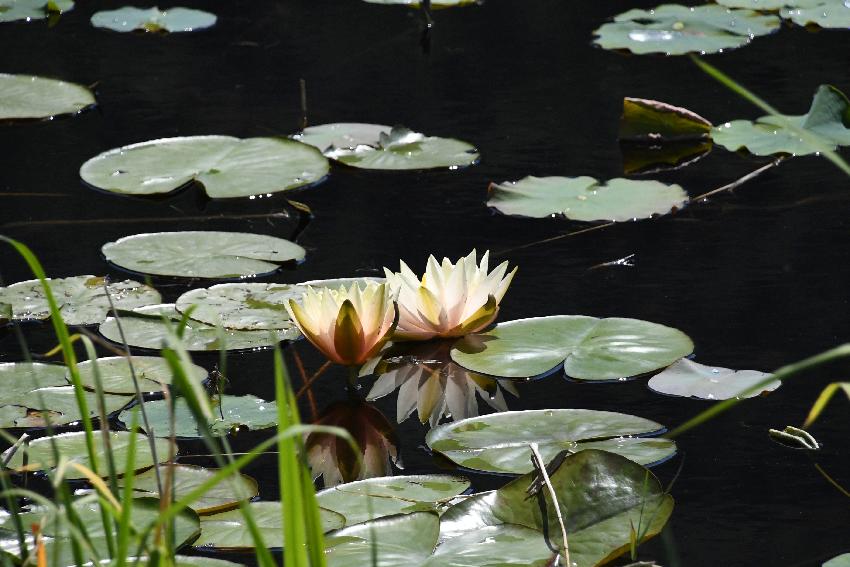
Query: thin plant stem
[(832, 481), (311, 398), (540, 465), (312, 379)]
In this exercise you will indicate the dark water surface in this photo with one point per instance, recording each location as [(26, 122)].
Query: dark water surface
[(758, 278)]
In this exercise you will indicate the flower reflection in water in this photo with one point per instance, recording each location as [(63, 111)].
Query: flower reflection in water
[(429, 382)]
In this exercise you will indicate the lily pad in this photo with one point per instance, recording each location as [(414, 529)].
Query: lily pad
[(148, 327), (676, 30), (202, 254), (380, 147), (690, 379), (842, 560), (25, 96), (499, 442), (827, 124), (116, 376), (40, 452), (153, 19), (246, 306), (227, 530), (13, 10), (186, 478), (830, 14), (585, 198), (652, 120), (247, 412), (375, 498), (225, 166), (82, 300), (589, 348)]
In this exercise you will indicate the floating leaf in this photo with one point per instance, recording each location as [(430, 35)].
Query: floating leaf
[(202, 254), (225, 166), (762, 5), (246, 306), (116, 375), (247, 412), (585, 198), (687, 378), (375, 498), (830, 14), (40, 452), (675, 29), (148, 327), (186, 478), (24, 96), (12, 10), (827, 124), (589, 348), (153, 19), (645, 119), (227, 530), (82, 300), (842, 560), (342, 135), (499, 442)]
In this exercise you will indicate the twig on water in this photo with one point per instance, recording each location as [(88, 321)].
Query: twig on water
[(540, 466)]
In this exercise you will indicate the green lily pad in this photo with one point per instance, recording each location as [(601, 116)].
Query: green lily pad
[(375, 498), (585, 198), (830, 14), (227, 530), (761, 5), (499, 442), (603, 497), (153, 19), (13, 10), (246, 306), (82, 300), (654, 121), (247, 412), (186, 478), (827, 124), (690, 379), (116, 376), (589, 348), (145, 328), (372, 146), (676, 30), (40, 452), (842, 560), (225, 166), (25, 96), (202, 254)]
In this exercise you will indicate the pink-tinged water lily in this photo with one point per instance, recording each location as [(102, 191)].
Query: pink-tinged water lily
[(451, 300), (348, 325)]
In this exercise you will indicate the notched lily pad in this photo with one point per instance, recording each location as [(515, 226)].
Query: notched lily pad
[(153, 19), (116, 374), (202, 254), (676, 30), (14, 10), (28, 97), (225, 166), (245, 306), (690, 379), (585, 198)]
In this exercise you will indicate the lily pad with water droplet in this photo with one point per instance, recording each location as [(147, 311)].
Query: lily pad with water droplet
[(28, 97), (830, 14), (246, 306), (82, 300), (676, 30), (825, 126), (589, 348), (225, 166), (498, 443), (116, 374), (690, 379), (202, 254), (153, 19), (146, 328), (14, 10), (585, 198)]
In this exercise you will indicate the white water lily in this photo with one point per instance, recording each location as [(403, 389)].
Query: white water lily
[(451, 300)]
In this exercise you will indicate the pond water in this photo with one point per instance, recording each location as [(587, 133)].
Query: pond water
[(757, 278)]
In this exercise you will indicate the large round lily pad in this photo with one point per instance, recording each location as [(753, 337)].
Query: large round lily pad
[(589, 348), (225, 166), (148, 327), (116, 375), (153, 19), (202, 254), (499, 442), (585, 198), (375, 498), (675, 29), (229, 413), (40, 452), (227, 530), (830, 14), (82, 300), (13, 10), (247, 306), (25, 96), (842, 560), (690, 379)]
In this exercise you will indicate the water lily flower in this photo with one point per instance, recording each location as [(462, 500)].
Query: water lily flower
[(451, 300), (349, 325)]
